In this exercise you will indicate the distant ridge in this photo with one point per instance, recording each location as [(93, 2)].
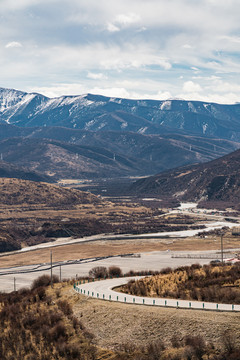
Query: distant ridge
[(100, 113), (80, 154), (217, 180), (8, 170)]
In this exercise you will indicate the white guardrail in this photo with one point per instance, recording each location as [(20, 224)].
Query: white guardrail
[(104, 290)]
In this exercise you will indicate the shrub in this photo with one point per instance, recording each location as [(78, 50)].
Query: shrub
[(98, 272), (41, 293), (65, 307), (58, 331), (114, 271), (44, 280), (197, 344)]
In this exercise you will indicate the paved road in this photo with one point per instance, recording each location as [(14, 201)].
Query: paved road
[(104, 290), (156, 260)]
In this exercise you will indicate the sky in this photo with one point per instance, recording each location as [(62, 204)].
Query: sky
[(154, 49)]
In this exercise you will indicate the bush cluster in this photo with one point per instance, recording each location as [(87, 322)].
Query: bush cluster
[(190, 347), (203, 283), (102, 272), (33, 327)]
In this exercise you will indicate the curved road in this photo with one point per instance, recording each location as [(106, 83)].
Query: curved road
[(104, 290)]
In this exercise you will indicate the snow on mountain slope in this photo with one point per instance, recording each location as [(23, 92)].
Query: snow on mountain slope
[(98, 113), (9, 98)]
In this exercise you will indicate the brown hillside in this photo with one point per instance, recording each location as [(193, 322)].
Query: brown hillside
[(17, 192), (215, 181)]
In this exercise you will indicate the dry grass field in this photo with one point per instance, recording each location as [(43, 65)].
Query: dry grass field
[(117, 247)]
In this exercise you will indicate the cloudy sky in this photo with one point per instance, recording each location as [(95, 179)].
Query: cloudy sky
[(155, 49)]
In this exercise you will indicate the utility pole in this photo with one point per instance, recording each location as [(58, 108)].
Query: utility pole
[(14, 284), (51, 270)]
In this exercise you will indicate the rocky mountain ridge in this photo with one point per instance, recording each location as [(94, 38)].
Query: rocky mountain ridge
[(99, 113)]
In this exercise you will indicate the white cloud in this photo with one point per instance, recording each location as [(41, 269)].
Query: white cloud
[(127, 19), (13, 44), (191, 87), (96, 76), (187, 46), (59, 89), (122, 21), (152, 44), (111, 92), (112, 28)]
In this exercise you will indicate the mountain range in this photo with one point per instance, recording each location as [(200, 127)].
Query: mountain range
[(68, 153), (92, 136), (99, 113)]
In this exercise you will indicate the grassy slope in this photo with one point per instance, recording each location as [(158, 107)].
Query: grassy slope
[(196, 282), (16, 191), (48, 324)]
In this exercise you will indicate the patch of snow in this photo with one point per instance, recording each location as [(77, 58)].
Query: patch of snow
[(102, 125), (142, 130), (89, 124), (166, 105), (124, 125), (114, 100), (206, 106), (19, 106), (191, 107), (205, 126)]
